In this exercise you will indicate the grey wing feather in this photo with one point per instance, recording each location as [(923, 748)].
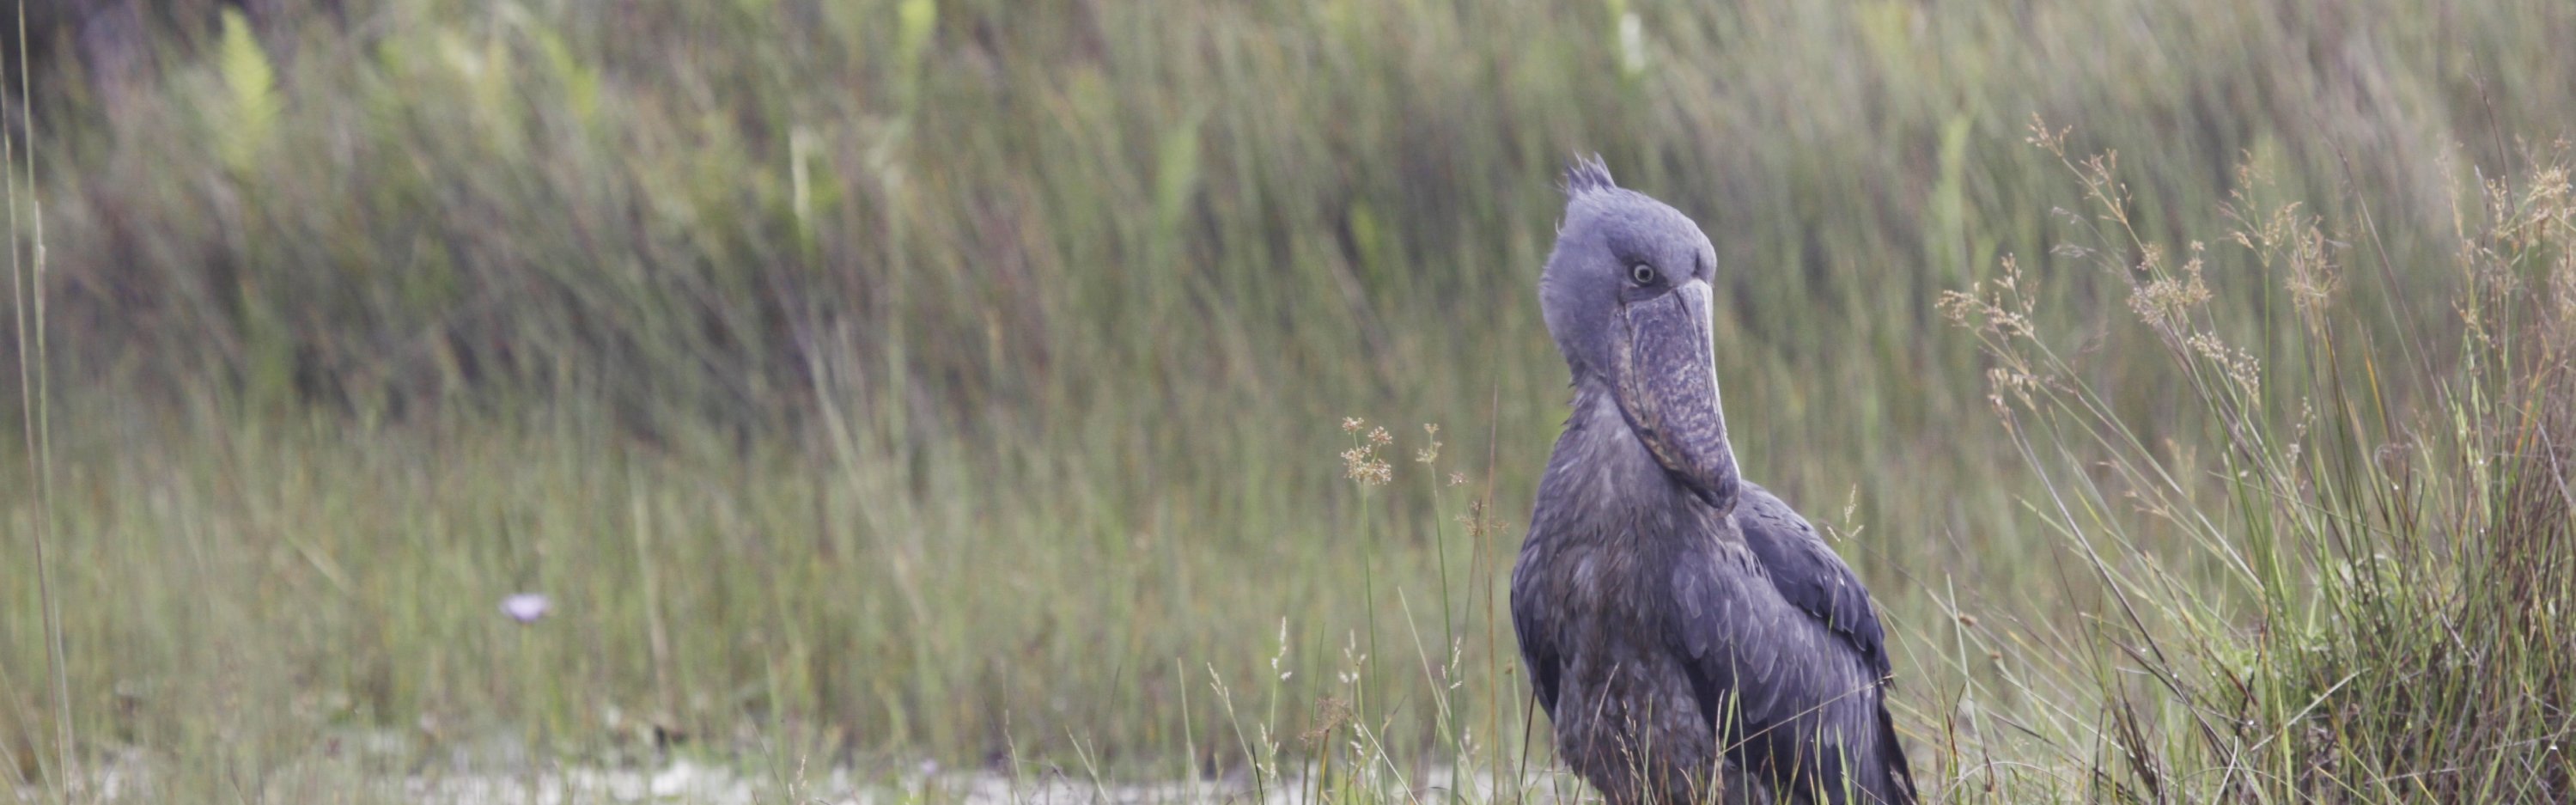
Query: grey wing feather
[(1770, 676), (1809, 575)]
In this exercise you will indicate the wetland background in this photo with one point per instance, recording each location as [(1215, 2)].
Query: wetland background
[(880, 384)]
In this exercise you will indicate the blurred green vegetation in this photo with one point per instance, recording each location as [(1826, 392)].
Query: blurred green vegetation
[(874, 381)]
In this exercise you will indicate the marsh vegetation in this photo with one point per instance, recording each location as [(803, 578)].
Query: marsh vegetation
[(878, 384)]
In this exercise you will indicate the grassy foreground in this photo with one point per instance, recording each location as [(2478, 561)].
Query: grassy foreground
[(880, 382)]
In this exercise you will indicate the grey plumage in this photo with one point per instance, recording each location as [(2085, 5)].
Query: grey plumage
[(1674, 617)]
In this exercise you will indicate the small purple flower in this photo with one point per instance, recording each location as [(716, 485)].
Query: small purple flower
[(526, 607)]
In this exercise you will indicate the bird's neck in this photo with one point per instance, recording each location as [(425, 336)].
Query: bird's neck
[(1602, 479)]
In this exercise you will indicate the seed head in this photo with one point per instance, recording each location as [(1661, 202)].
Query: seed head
[(1361, 464), (2166, 302)]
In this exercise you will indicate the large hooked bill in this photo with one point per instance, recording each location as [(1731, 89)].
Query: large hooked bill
[(1667, 388)]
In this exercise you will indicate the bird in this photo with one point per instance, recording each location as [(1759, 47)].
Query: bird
[(1687, 632)]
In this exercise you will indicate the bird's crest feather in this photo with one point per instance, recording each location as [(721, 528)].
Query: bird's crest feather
[(1587, 174)]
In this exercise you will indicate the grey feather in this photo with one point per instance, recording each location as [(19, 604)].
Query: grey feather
[(1587, 174)]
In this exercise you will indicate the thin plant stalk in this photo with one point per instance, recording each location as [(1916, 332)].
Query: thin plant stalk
[(32, 389)]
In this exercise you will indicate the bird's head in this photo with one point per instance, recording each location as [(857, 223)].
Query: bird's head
[(1626, 293)]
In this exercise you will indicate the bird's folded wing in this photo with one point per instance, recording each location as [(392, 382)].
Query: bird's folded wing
[(1808, 574)]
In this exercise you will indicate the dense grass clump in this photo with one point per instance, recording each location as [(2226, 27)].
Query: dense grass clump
[(880, 383), (2349, 597)]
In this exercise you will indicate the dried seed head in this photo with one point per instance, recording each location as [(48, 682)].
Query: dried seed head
[(2166, 303), (2239, 365), (1361, 464)]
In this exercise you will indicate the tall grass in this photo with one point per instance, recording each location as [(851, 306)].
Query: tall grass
[(2351, 597), (881, 382)]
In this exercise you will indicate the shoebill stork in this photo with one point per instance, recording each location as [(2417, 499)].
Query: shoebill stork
[(1675, 617)]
